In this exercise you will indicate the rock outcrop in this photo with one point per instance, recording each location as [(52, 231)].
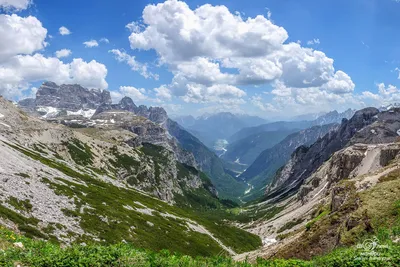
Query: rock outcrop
[(70, 96), (154, 114), (301, 167), (270, 160)]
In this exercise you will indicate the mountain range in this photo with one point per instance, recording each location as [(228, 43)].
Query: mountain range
[(210, 128), (328, 118), (333, 194), (158, 129), (115, 176), (261, 172), (86, 173), (246, 150)]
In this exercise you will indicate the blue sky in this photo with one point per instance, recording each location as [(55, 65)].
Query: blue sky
[(360, 36)]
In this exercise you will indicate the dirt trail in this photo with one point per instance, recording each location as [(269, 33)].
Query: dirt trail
[(201, 229), (373, 179)]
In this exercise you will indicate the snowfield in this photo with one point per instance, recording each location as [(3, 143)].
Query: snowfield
[(85, 113), (50, 111)]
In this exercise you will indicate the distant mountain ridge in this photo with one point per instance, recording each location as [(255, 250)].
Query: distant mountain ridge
[(246, 150), (328, 118), (263, 169), (211, 127), (305, 160)]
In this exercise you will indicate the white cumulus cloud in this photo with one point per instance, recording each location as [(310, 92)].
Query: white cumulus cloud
[(20, 36), (64, 30), (386, 95), (15, 4), (91, 43), (314, 41), (211, 47), (137, 94), (21, 64), (221, 93), (19, 72), (63, 53), (163, 92), (135, 65)]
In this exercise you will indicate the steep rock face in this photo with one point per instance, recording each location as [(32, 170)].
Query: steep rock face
[(351, 162), (207, 161), (385, 129), (246, 151), (154, 114), (146, 130), (270, 160), (71, 97), (334, 117), (29, 103), (287, 183)]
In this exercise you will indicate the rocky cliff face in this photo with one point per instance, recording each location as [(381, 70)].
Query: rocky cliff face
[(271, 159), (154, 114), (334, 193), (70, 96), (54, 100), (310, 159)]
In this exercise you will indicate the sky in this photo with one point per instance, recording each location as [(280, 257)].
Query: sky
[(269, 58)]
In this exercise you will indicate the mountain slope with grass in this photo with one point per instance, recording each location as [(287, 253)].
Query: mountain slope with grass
[(89, 109), (344, 196), (84, 186), (210, 163)]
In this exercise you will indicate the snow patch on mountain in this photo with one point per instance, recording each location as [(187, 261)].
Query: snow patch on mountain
[(389, 107), (88, 113), (50, 112)]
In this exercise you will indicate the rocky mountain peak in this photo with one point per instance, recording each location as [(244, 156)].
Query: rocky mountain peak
[(157, 114), (365, 113), (127, 104), (72, 97), (154, 114), (334, 117)]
